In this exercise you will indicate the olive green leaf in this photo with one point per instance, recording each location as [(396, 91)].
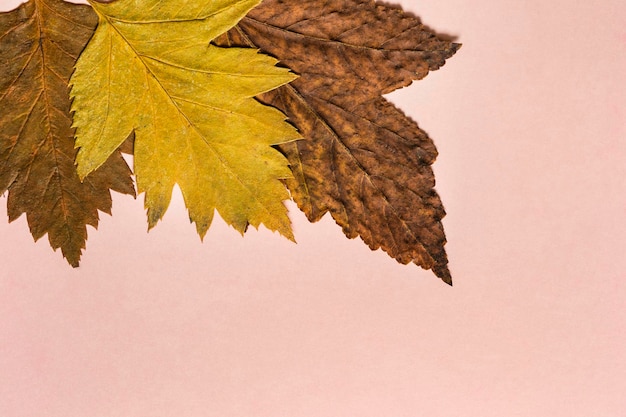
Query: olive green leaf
[(39, 44)]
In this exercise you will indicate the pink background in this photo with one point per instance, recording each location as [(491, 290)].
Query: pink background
[(530, 121)]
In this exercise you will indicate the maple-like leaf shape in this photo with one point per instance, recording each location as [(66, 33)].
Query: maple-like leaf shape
[(149, 69), (39, 44), (363, 160)]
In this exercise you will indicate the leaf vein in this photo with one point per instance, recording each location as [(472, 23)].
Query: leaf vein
[(220, 157), (14, 28), (63, 17)]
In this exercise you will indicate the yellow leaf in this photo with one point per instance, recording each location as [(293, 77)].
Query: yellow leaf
[(149, 68)]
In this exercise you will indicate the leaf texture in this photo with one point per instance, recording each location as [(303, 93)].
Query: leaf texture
[(363, 160), (39, 44), (149, 69)]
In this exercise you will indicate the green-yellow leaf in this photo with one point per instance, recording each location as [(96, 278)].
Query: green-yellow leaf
[(149, 68)]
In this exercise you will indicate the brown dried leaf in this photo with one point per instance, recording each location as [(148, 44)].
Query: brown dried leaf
[(363, 160), (39, 44)]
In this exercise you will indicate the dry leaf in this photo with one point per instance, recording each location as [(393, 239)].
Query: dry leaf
[(149, 69), (39, 44), (148, 74), (363, 160)]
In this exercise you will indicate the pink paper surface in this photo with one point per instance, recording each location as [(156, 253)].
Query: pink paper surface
[(530, 121)]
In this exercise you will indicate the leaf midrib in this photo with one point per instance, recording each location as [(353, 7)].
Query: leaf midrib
[(64, 206)]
